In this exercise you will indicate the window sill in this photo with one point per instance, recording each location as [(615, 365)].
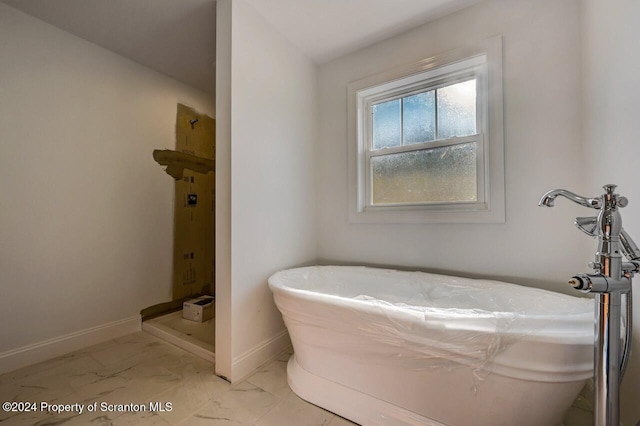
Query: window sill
[(427, 215)]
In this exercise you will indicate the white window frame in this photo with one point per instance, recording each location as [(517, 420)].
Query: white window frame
[(482, 62)]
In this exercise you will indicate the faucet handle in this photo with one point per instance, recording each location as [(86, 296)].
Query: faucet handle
[(588, 225), (622, 201)]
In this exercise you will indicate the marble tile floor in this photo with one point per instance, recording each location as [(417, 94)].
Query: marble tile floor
[(141, 369)]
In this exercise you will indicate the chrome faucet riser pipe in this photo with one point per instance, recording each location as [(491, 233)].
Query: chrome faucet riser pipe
[(610, 264), (607, 360)]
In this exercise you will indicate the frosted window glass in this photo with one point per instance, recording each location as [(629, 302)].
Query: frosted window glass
[(419, 118), (457, 110), (445, 174), (387, 131)]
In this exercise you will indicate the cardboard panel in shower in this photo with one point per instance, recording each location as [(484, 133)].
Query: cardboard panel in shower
[(194, 228)]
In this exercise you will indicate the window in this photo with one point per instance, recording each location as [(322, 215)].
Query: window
[(424, 147), (426, 141)]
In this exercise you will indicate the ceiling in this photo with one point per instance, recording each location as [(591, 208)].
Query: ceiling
[(174, 37), (328, 29), (177, 37)]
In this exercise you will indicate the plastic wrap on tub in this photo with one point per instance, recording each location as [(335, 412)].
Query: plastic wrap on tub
[(437, 321)]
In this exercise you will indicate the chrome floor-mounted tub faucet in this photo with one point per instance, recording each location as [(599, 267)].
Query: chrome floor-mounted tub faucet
[(610, 279)]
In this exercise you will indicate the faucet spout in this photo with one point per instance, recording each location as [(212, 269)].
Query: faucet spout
[(549, 198)]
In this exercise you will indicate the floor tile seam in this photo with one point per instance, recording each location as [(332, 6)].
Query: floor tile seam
[(137, 353), (30, 397), (154, 397), (151, 398), (117, 374), (280, 401), (38, 396), (209, 399), (46, 374), (280, 398), (99, 378), (114, 415), (87, 351)]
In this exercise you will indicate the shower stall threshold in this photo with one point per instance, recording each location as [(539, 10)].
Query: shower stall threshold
[(158, 328)]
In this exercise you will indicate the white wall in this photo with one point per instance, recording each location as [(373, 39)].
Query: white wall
[(542, 150), (272, 107), (86, 215), (223, 189), (612, 102)]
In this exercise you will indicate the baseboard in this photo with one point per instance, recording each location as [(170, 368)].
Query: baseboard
[(51, 348), (261, 354)]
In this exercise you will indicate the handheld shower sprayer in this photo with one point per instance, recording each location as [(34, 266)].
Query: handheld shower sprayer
[(610, 279)]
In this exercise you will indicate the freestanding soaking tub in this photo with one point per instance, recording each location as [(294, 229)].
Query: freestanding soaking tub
[(385, 347)]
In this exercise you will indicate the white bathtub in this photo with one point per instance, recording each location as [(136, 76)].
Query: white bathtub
[(384, 347)]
